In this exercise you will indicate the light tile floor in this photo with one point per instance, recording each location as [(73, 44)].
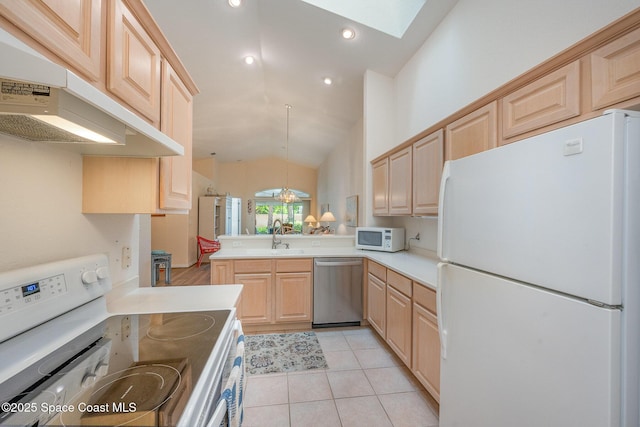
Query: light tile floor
[(365, 385)]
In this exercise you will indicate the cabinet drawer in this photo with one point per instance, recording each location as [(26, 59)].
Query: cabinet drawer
[(424, 296), (378, 270), (252, 266), (399, 282), (293, 265)]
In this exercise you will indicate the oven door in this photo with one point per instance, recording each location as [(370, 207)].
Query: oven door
[(229, 399)]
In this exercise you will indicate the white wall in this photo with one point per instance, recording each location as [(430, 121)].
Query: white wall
[(478, 47), (341, 175), (40, 211)]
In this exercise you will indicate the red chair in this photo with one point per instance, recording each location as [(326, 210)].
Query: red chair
[(206, 246)]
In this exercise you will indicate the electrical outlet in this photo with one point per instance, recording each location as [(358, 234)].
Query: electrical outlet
[(125, 328), (126, 257), (315, 243), (236, 244)]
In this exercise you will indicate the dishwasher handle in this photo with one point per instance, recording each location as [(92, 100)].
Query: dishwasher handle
[(337, 263)]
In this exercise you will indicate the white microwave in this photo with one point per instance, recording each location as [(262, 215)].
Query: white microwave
[(380, 239)]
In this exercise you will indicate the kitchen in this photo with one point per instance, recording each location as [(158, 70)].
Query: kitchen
[(42, 184)]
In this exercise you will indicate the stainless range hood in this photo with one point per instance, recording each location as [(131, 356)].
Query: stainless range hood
[(41, 101)]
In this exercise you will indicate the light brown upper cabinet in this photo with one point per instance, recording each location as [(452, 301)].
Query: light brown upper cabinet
[(550, 99), (473, 133), (615, 71), (133, 72), (392, 184), (177, 123), (380, 182), (400, 194), (71, 30), (428, 159)]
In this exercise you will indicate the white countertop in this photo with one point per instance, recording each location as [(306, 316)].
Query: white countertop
[(129, 298), (419, 267)]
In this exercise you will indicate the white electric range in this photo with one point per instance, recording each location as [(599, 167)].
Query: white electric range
[(66, 361)]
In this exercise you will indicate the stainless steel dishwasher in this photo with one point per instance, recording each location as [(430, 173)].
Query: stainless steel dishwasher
[(337, 292)]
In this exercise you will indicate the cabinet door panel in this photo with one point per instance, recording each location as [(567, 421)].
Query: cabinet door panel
[(222, 272), (134, 63), (426, 350), (550, 99), (473, 133), (428, 160), (399, 324), (69, 29), (400, 194), (255, 302), (376, 303), (293, 297), (380, 187), (177, 123), (615, 71)]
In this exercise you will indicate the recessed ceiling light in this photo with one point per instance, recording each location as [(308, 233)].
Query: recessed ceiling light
[(235, 3), (327, 81), (249, 60), (348, 33)]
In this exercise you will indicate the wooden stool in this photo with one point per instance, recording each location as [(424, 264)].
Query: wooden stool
[(156, 260)]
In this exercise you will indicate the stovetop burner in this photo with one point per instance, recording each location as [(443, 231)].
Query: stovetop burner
[(166, 327)]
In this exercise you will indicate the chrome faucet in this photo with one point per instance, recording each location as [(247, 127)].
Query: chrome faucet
[(275, 242)]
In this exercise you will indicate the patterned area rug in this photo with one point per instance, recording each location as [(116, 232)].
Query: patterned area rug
[(272, 353)]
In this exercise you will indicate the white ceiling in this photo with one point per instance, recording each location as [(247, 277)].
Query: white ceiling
[(240, 111)]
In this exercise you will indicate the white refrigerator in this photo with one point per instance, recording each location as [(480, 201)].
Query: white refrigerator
[(539, 285)]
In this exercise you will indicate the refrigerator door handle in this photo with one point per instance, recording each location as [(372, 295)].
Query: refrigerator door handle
[(442, 331), (446, 174)]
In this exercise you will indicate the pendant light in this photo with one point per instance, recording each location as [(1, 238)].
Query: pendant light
[(286, 195)]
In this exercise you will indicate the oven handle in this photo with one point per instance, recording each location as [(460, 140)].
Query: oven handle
[(218, 414)]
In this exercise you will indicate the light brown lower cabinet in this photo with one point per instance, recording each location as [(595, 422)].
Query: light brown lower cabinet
[(404, 314), (293, 297), (255, 301), (377, 304), (426, 340), (275, 291), (399, 324)]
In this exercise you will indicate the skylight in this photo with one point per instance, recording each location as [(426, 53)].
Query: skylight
[(392, 17)]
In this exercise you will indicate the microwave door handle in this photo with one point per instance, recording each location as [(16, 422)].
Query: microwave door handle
[(446, 174)]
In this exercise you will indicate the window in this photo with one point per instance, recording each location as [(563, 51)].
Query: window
[(268, 210)]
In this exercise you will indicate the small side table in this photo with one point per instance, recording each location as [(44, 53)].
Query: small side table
[(158, 259)]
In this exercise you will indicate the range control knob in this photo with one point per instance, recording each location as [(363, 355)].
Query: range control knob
[(89, 277), (88, 380), (102, 272), (102, 369)]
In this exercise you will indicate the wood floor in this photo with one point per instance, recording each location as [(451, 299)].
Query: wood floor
[(188, 276)]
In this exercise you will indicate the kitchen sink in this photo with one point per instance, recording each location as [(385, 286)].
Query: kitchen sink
[(263, 252)]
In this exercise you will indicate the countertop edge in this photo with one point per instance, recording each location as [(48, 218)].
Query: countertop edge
[(130, 298)]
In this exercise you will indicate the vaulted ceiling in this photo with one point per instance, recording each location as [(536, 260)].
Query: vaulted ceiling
[(240, 113)]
